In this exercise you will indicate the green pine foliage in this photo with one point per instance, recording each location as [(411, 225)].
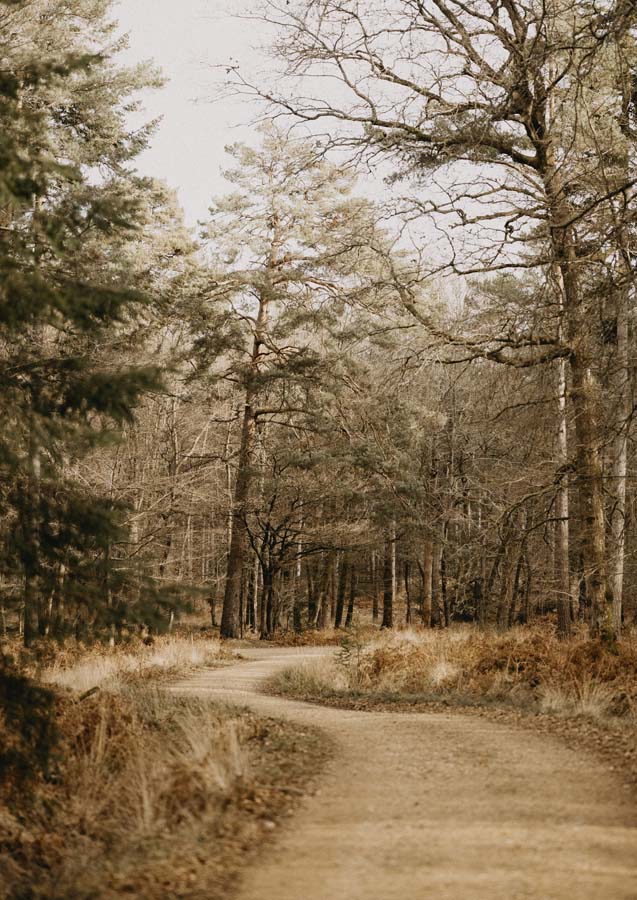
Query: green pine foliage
[(71, 207)]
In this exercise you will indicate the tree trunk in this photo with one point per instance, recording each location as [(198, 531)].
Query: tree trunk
[(436, 585), (353, 584), (312, 580), (394, 569), (406, 573), (230, 619), (31, 545), (591, 493), (375, 587), (266, 629), (444, 594), (487, 600), (619, 468), (340, 596), (297, 622), (562, 564), (585, 397), (324, 610), (508, 588), (513, 606), (427, 586), (230, 625), (253, 596), (388, 585)]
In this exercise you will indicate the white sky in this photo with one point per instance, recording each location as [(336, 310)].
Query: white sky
[(186, 38)]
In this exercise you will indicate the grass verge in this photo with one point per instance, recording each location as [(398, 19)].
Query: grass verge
[(115, 667), (143, 793)]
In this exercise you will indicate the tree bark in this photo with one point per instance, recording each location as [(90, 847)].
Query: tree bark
[(230, 625), (406, 574), (297, 622), (312, 604), (436, 586), (623, 413), (375, 587), (444, 594), (585, 397), (353, 584), (388, 585), (590, 487), (326, 590), (562, 564), (31, 544), (230, 618), (340, 596)]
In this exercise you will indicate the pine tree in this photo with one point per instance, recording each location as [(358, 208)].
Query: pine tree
[(68, 199), (292, 249)]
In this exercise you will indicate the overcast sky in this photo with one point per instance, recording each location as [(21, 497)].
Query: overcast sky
[(186, 38)]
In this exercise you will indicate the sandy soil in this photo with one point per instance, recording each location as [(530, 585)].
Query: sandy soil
[(426, 805)]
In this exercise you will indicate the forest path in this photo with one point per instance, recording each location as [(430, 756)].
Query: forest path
[(429, 805)]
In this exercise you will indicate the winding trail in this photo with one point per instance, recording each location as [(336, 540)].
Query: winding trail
[(427, 805)]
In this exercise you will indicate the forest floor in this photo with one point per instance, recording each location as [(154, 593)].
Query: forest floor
[(435, 804)]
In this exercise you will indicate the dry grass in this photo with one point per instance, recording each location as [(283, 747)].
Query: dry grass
[(586, 697), (113, 667), (320, 637), (151, 796), (312, 678), (133, 771), (147, 794), (526, 667)]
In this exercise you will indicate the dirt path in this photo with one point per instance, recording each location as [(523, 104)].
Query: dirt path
[(447, 807)]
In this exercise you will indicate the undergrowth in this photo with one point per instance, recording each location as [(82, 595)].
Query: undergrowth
[(128, 790), (129, 770), (319, 637), (525, 667), (81, 669)]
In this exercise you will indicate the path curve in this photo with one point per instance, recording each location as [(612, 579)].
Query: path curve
[(427, 805)]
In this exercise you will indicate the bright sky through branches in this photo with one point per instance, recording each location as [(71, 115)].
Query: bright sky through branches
[(185, 40)]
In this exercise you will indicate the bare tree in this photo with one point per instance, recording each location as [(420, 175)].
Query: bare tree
[(493, 104)]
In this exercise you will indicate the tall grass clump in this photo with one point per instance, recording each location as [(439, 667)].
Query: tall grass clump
[(112, 667), (139, 780)]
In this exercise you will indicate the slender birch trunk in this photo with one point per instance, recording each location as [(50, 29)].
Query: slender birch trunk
[(297, 622), (623, 375), (562, 565)]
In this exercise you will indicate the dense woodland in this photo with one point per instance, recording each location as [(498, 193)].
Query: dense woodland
[(393, 371)]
